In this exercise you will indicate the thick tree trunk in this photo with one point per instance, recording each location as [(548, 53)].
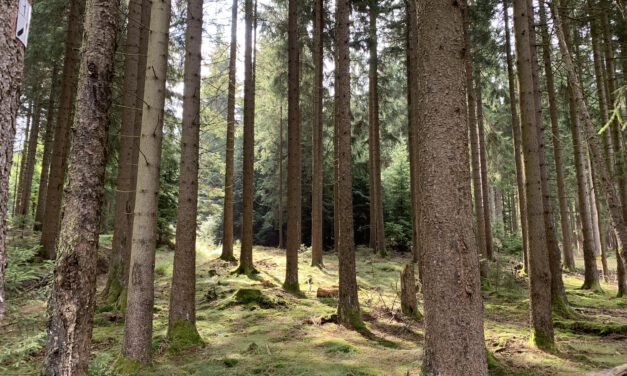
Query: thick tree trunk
[(317, 182), (348, 311), (48, 145), (29, 166), (125, 190), (569, 260), (182, 319), (294, 164), (612, 197), (73, 296), (11, 65), (227, 231), (539, 271), (58, 164), (246, 253), (453, 307), (517, 140), (138, 324), (377, 233), (483, 163)]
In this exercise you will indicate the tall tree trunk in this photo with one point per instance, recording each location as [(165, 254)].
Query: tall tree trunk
[(125, 190), (138, 324), (348, 311), (539, 271), (73, 297), (23, 158), (11, 65), (58, 164), (483, 163), (29, 166), (453, 306), (517, 140), (317, 182), (294, 164), (48, 144), (182, 319), (569, 260), (227, 231), (594, 210), (612, 197), (246, 254), (377, 233), (481, 207), (281, 180)]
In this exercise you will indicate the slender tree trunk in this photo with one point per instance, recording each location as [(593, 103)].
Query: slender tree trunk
[(48, 144), (539, 271), (594, 210), (517, 140), (58, 164), (73, 296), (483, 163), (125, 191), (377, 233), (348, 311), (453, 306), (227, 239), (569, 260), (294, 164), (281, 179), (29, 166), (182, 319), (480, 205), (246, 254), (11, 65), (611, 195), (317, 182), (138, 324), (23, 157)]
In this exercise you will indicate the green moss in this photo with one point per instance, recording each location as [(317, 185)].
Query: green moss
[(593, 286), (351, 319), (543, 341), (493, 361), (252, 296), (230, 362), (291, 287), (592, 327), (121, 303), (115, 290), (562, 309), (228, 258), (338, 346), (127, 366), (183, 335)]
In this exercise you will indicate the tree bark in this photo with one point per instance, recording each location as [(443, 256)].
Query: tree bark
[(125, 190), (138, 324), (23, 157), (73, 296), (29, 165), (11, 65), (517, 141), (377, 233), (453, 306), (281, 181), (246, 254), (227, 231), (539, 271), (483, 163), (58, 164), (348, 311), (409, 304), (182, 319), (317, 182), (48, 144), (294, 164)]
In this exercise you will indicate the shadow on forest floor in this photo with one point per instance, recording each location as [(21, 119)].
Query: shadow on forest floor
[(286, 336)]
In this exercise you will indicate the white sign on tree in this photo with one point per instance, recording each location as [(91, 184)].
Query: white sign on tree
[(23, 22)]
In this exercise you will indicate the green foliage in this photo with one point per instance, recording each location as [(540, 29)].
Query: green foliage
[(22, 352), (22, 272)]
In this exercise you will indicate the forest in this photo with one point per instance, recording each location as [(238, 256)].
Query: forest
[(311, 187)]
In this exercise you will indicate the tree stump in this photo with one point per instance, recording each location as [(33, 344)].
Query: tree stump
[(409, 305)]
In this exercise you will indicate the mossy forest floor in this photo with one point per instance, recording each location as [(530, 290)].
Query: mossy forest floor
[(282, 334)]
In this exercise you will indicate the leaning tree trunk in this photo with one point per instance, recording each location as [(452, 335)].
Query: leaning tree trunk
[(227, 231), (294, 164), (11, 65), (517, 140), (58, 164), (317, 182), (569, 260), (612, 197), (73, 297), (45, 161), (30, 161), (453, 306), (182, 319), (539, 272), (246, 253), (348, 311), (377, 234), (125, 191), (138, 324)]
